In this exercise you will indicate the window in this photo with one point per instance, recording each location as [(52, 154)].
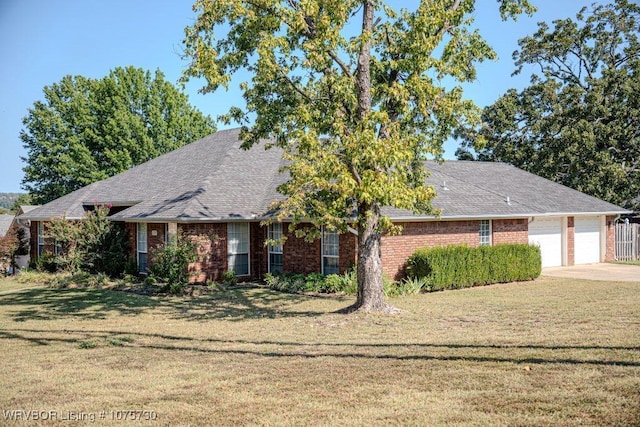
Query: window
[(330, 255), (238, 247), (40, 238), (142, 247), (166, 235), (275, 251), (485, 232)]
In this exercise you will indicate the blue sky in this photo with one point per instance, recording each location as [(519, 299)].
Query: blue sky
[(41, 41)]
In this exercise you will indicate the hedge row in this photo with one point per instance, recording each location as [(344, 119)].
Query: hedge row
[(454, 267)]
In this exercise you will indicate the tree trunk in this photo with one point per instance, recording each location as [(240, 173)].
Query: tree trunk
[(370, 291)]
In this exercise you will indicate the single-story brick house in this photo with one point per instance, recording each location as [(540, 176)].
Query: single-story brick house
[(213, 190)]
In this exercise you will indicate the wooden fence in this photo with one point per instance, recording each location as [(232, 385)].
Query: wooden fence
[(627, 242)]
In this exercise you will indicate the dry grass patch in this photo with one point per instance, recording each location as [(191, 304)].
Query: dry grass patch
[(553, 351)]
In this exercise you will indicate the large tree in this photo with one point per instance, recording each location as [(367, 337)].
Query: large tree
[(86, 130), (578, 123), (355, 93)]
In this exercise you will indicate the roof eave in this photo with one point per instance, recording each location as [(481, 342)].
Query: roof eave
[(414, 218)]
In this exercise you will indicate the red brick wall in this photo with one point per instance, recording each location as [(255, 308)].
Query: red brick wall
[(415, 235), (610, 253), (348, 251), (510, 231), (300, 256), (212, 249), (303, 257), (130, 228), (396, 249), (33, 240), (259, 252), (158, 240), (154, 242), (571, 241)]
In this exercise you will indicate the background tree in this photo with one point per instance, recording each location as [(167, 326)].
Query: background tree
[(578, 123), (13, 244), (87, 130), (21, 200), (354, 93), (8, 246)]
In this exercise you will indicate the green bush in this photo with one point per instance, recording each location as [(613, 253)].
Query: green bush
[(313, 282), (94, 245), (456, 266), (82, 279), (170, 263), (229, 278), (346, 283), (45, 263)]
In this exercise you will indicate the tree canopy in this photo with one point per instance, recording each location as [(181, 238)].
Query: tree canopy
[(86, 130), (578, 123), (357, 94)]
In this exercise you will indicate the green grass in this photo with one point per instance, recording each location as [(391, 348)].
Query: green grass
[(553, 351), (10, 284), (628, 262)]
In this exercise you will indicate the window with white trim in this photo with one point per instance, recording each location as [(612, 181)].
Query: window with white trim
[(238, 247), (275, 251), (330, 251), (40, 238), (141, 247), (485, 232)]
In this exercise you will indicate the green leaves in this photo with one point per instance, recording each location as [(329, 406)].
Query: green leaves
[(86, 130), (579, 121), (307, 65), (356, 94)]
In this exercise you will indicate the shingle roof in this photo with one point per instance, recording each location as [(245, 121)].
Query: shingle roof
[(488, 189), (214, 179), (5, 223), (28, 208)]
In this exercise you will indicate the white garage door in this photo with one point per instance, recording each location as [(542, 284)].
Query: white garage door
[(547, 233), (587, 240)]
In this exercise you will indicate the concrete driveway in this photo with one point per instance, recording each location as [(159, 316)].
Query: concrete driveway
[(606, 272)]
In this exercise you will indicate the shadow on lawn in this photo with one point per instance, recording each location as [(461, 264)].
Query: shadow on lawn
[(89, 303), (50, 303), (310, 350)]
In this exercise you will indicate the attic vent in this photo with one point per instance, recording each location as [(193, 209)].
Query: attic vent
[(444, 186), (508, 201)]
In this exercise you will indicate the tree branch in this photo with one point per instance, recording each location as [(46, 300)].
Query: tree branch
[(294, 85), (345, 69), (447, 26)]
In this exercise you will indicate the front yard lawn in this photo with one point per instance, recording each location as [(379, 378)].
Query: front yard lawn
[(628, 262), (552, 351)]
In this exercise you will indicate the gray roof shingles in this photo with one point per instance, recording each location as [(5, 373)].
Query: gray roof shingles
[(5, 223), (214, 179)]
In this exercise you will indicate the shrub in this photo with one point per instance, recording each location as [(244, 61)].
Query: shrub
[(229, 278), (456, 266), (94, 244), (346, 283), (46, 263), (82, 279), (212, 285), (313, 282), (170, 263), (34, 276), (131, 267)]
